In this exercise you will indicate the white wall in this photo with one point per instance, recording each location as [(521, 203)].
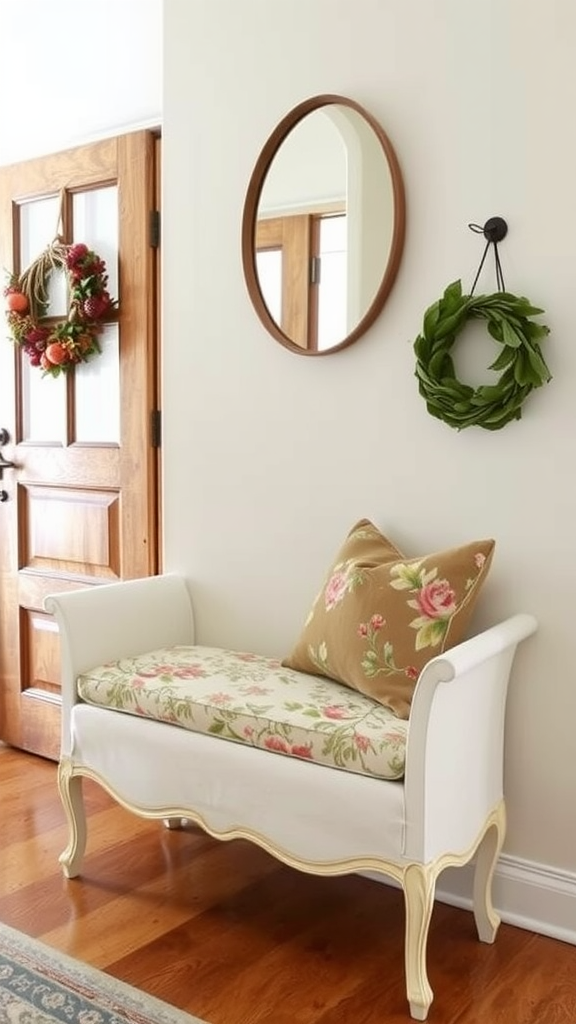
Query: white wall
[(270, 457), (73, 72)]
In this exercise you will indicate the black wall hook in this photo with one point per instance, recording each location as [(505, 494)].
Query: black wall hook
[(495, 229)]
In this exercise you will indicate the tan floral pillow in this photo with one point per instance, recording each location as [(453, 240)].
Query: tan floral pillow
[(381, 616)]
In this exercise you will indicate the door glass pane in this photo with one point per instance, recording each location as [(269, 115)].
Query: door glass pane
[(97, 386), (269, 270), (43, 398), (95, 219), (39, 226), (43, 405), (97, 382)]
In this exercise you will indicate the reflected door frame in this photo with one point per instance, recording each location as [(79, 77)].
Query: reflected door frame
[(297, 238)]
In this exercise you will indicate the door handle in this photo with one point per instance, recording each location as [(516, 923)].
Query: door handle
[(4, 463)]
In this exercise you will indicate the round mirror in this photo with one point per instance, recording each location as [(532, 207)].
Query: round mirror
[(323, 226)]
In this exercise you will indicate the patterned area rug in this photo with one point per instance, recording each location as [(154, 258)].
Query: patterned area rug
[(39, 985)]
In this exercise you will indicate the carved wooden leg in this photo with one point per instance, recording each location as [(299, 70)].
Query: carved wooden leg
[(487, 920), (70, 789), (419, 887)]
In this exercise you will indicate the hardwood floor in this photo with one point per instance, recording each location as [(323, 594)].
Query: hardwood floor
[(226, 933)]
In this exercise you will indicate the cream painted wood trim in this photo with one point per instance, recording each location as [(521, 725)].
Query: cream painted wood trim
[(70, 790), (69, 785), (418, 881)]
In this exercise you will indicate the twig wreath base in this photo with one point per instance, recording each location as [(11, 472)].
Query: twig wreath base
[(56, 347), (520, 360)]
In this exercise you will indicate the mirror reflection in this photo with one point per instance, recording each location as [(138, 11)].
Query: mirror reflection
[(323, 226)]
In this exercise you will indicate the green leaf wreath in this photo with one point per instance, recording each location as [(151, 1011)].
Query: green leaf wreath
[(520, 360)]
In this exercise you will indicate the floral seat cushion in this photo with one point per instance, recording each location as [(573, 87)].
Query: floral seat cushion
[(254, 700)]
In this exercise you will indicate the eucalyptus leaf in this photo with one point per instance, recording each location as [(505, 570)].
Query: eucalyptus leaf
[(536, 331), (506, 356), (450, 324), (431, 317), (422, 347), (523, 373), (495, 331), (491, 392), (537, 363), (453, 291), (525, 308), (454, 388), (510, 335), (437, 365)]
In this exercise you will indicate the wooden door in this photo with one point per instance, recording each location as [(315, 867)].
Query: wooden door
[(81, 505)]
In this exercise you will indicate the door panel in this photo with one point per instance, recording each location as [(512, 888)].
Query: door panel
[(81, 506), (71, 531)]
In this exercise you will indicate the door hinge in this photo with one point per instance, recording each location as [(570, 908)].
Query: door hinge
[(315, 265), (156, 428), (155, 229)]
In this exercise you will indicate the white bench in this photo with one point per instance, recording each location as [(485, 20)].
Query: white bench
[(446, 809)]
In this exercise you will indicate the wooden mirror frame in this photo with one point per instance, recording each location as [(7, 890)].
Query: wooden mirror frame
[(250, 212)]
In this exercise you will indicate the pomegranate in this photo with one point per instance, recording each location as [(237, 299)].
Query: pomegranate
[(17, 302), (56, 353)]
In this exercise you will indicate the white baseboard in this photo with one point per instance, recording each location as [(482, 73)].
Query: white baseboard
[(533, 896), (528, 895)]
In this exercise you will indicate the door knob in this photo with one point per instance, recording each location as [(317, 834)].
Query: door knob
[(4, 464)]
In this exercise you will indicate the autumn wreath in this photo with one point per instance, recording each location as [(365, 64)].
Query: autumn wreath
[(520, 360), (58, 346)]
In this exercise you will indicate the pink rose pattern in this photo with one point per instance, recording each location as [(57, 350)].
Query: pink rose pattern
[(255, 701), (344, 579), (435, 601), (335, 590)]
